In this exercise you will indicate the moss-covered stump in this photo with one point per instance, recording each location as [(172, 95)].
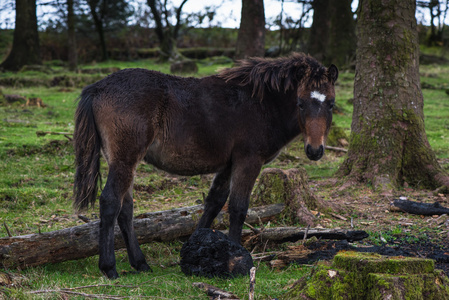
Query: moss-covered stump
[(290, 187), (354, 275)]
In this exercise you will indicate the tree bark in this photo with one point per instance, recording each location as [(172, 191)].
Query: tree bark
[(388, 143), (82, 241), (251, 36), (25, 47)]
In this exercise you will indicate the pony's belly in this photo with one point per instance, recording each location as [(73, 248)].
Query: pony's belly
[(186, 162)]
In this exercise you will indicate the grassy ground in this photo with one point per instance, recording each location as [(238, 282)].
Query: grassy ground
[(36, 180)]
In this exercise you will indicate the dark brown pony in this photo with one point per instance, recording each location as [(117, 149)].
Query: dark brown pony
[(229, 124)]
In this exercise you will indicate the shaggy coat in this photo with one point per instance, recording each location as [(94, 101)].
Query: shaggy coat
[(229, 124)]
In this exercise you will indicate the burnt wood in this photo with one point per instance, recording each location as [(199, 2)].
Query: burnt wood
[(420, 208)]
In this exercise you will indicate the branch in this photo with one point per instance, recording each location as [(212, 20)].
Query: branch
[(214, 292), (178, 19), (157, 19), (337, 149), (252, 283)]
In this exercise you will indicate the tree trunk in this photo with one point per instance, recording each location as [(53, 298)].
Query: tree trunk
[(25, 47), (388, 143), (332, 35), (99, 27), (82, 241), (72, 53), (251, 37), (319, 31), (342, 40)]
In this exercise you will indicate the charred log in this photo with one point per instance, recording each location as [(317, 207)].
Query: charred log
[(420, 208)]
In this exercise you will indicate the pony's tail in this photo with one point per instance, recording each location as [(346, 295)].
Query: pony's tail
[(87, 144)]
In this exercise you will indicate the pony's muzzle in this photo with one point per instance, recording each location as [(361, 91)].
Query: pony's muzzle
[(314, 153)]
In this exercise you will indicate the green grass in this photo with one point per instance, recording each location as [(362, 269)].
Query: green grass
[(36, 181), (165, 282)]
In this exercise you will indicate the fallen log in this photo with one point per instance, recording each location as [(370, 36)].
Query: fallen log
[(82, 241), (419, 208)]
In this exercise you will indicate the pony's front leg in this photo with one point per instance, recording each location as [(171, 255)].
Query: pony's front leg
[(243, 178), (216, 198)]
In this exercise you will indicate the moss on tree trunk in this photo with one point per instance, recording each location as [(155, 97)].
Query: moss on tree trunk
[(388, 143)]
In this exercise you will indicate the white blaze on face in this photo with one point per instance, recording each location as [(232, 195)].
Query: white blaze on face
[(317, 95)]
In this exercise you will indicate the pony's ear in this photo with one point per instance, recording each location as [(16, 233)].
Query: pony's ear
[(333, 73)]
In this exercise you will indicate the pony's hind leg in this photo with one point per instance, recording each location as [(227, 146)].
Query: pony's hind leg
[(110, 203), (215, 200), (117, 186), (125, 222)]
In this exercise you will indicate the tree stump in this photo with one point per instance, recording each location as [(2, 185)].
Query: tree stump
[(211, 253), (354, 275), (290, 187)]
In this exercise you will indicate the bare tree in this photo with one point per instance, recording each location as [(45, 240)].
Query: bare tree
[(388, 143), (166, 32), (107, 14)]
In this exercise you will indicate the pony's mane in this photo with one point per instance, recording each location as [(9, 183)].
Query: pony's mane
[(280, 74)]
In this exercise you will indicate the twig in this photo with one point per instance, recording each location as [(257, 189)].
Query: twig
[(95, 296), (44, 133), (7, 229), (100, 285), (305, 234), (339, 217), (84, 218), (255, 230), (252, 283), (214, 291), (337, 149)]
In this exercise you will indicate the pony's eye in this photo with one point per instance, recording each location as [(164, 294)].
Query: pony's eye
[(331, 105), (300, 104)]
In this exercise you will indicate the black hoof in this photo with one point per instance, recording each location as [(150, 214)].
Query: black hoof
[(144, 268), (111, 274)]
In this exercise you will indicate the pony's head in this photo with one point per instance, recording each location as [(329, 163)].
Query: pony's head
[(300, 78), (315, 101)]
